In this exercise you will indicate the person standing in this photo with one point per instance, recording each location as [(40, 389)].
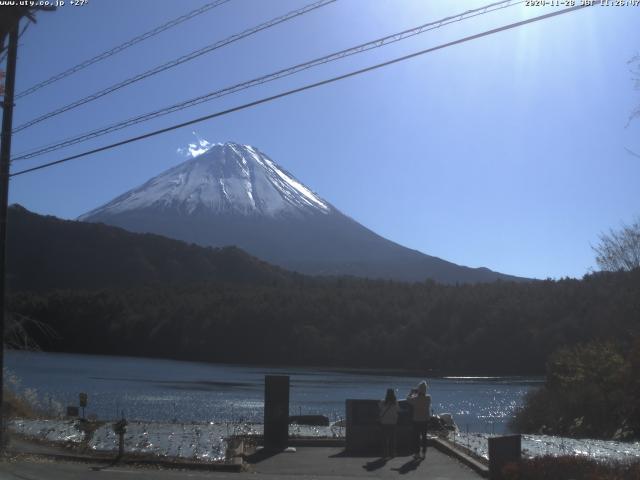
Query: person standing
[(421, 405), (388, 420)]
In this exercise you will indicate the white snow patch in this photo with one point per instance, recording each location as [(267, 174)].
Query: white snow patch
[(540, 445), (184, 440), (307, 195)]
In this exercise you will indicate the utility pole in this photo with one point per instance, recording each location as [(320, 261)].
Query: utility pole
[(8, 27), (5, 157)]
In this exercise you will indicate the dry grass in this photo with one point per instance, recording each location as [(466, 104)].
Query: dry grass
[(18, 406), (21, 402)]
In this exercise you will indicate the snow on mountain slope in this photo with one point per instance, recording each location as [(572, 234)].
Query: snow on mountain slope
[(221, 178)]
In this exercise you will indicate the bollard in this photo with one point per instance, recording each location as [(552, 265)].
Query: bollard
[(120, 444), (503, 450)]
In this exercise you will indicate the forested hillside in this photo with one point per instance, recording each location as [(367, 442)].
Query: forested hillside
[(45, 253)]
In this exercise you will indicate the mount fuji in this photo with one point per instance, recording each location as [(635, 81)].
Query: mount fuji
[(232, 194)]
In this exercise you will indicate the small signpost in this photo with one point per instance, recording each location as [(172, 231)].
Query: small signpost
[(120, 428), (83, 402)]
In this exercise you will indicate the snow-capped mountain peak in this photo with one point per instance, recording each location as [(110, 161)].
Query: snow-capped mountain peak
[(221, 178), (232, 194)]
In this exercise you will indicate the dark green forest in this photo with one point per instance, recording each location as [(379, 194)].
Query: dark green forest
[(486, 328), (106, 291)]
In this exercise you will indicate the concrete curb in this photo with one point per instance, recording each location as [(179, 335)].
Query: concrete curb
[(316, 442), (448, 449), (132, 461), (298, 441)]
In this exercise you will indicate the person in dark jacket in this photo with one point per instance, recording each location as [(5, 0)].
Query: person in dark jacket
[(388, 420)]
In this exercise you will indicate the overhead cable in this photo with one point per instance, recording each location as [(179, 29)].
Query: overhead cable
[(302, 89), (174, 63), (377, 43)]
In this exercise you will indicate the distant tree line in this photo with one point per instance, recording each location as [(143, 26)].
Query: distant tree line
[(497, 328)]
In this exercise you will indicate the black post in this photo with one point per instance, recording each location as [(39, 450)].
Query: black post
[(5, 156), (120, 444), (503, 450), (276, 412)]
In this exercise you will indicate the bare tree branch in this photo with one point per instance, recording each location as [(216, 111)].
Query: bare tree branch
[(17, 335), (619, 250)]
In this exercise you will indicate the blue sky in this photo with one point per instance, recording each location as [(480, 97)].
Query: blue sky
[(508, 152)]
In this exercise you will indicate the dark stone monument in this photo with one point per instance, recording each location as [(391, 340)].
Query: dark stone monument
[(503, 450), (276, 412), (364, 434)]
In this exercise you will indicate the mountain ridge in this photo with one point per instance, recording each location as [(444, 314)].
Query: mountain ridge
[(232, 194)]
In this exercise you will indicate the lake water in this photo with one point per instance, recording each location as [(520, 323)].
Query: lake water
[(168, 390)]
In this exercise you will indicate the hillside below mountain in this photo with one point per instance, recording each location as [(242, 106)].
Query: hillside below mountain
[(45, 252)]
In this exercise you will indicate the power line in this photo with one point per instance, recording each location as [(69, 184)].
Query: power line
[(173, 63), (123, 46), (377, 43), (303, 88)]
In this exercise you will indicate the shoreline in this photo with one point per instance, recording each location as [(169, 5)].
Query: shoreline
[(397, 372)]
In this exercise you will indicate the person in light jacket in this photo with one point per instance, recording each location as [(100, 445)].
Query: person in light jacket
[(421, 405), (388, 420)]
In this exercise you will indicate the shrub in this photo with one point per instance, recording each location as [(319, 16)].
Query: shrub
[(591, 390)]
